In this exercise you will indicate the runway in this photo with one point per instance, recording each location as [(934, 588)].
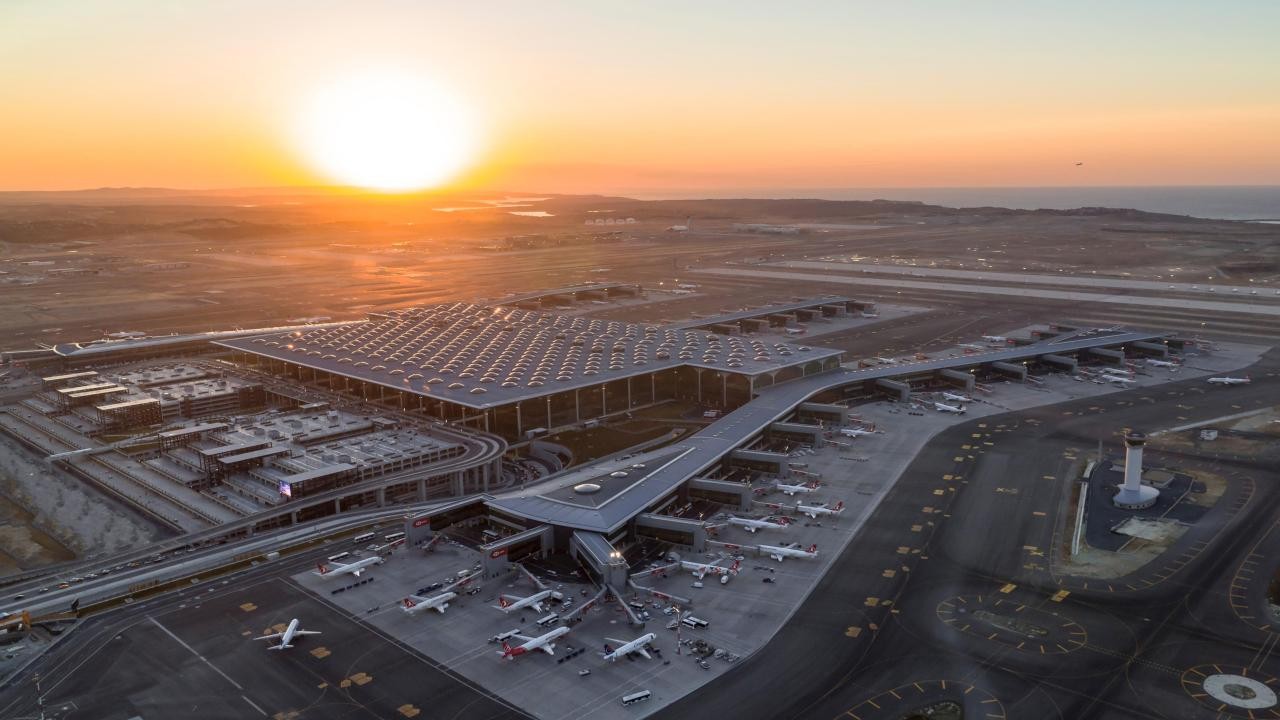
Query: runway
[(951, 592)]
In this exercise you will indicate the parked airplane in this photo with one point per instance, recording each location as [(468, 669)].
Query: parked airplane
[(1163, 363), (752, 526), (415, 604), (856, 432), (786, 551), (1230, 380), (511, 603), (956, 398), (972, 346), (944, 408), (332, 569), (701, 570), (995, 339), (545, 643), (814, 511), (286, 637), (793, 489), (626, 648), (1122, 372), (1118, 379)]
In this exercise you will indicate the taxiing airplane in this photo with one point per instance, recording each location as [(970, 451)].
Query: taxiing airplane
[(286, 637), (545, 643), (626, 648), (511, 603), (336, 569), (944, 408), (814, 511), (793, 489), (752, 526), (786, 551), (953, 397), (1230, 380)]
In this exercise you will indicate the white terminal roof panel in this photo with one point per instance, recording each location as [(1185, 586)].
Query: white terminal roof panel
[(485, 356)]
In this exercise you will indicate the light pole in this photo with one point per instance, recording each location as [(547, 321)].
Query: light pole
[(679, 617)]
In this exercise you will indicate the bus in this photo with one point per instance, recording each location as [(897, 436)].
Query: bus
[(339, 556), (363, 538), (392, 537), (693, 622), (636, 697)]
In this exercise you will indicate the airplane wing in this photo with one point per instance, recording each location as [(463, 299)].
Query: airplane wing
[(272, 636), (356, 572), (548, 648), (305, 632), (523, 638), (643, 653), (615, 642)]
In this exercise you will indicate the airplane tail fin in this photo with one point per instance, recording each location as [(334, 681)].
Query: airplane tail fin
[(813, 548), (734, 567), (322, 568), (839, 507), (503, 601), (408, 602), (506, 652)]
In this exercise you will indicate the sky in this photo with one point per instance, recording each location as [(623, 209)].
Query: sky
[(612, 97)]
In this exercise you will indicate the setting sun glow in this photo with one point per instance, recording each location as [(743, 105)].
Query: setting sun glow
[(387, 130)]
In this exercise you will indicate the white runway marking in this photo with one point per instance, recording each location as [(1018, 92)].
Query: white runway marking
[(193, 652), (255, 705)]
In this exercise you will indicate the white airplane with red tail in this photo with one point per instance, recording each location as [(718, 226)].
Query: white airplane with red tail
[(332, 569), (1230, 380), (793, 550), (545, 643), (814, 511)]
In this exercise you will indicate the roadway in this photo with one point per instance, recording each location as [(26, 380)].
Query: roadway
[(904, 617), (191, 654)]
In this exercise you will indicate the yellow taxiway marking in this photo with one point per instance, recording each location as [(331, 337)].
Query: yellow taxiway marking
[(958, 458), (872, 602), (938, 492), (321, 652), (322, 685), (1008, 588), (903, 549), (408, 710), (278, 627), (916, 528), (889, 573), (248, 607), (948, 477), (1038, 513), (853, 631), (1060, 595)]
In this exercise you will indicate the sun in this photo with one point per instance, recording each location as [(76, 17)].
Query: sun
[(387, 130)]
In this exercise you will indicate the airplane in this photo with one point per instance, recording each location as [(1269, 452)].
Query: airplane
[(944, 408), (1230, 380), (286, 637), (701, 570), (1163, 363), (995, 339), (956, 398), (626, 648), (752, 526), (545, 643), (415, 604), (688, 223), (510, 603), (324, 569), (1123, 372), (793, 489), (971, 346), (814, 511), (856, 432), (885, 360), (1117, 379), (786, 551)]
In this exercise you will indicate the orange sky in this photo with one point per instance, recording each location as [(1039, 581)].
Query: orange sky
[(574, 97)]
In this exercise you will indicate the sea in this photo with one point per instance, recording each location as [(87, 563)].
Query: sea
[(1219, 202)]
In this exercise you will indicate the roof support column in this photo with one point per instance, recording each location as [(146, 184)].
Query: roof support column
[(577, 406)]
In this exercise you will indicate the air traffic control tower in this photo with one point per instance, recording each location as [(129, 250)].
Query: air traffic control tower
[(1133, 494)]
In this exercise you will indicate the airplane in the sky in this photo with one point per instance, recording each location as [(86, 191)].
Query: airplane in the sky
[(1163, 363), (511, 603), (626, 648), (545, 643), (752, 526), (856, 432), (793, 489), (786, 551), (286, 637), (332, 569), (953, 397), (814, 511), (944, 408), (1230, 380)]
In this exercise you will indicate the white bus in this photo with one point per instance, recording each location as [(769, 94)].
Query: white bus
[(392, 537), (339, 556), (551, 619), (363, 538), (635, 697), (695, 623)]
